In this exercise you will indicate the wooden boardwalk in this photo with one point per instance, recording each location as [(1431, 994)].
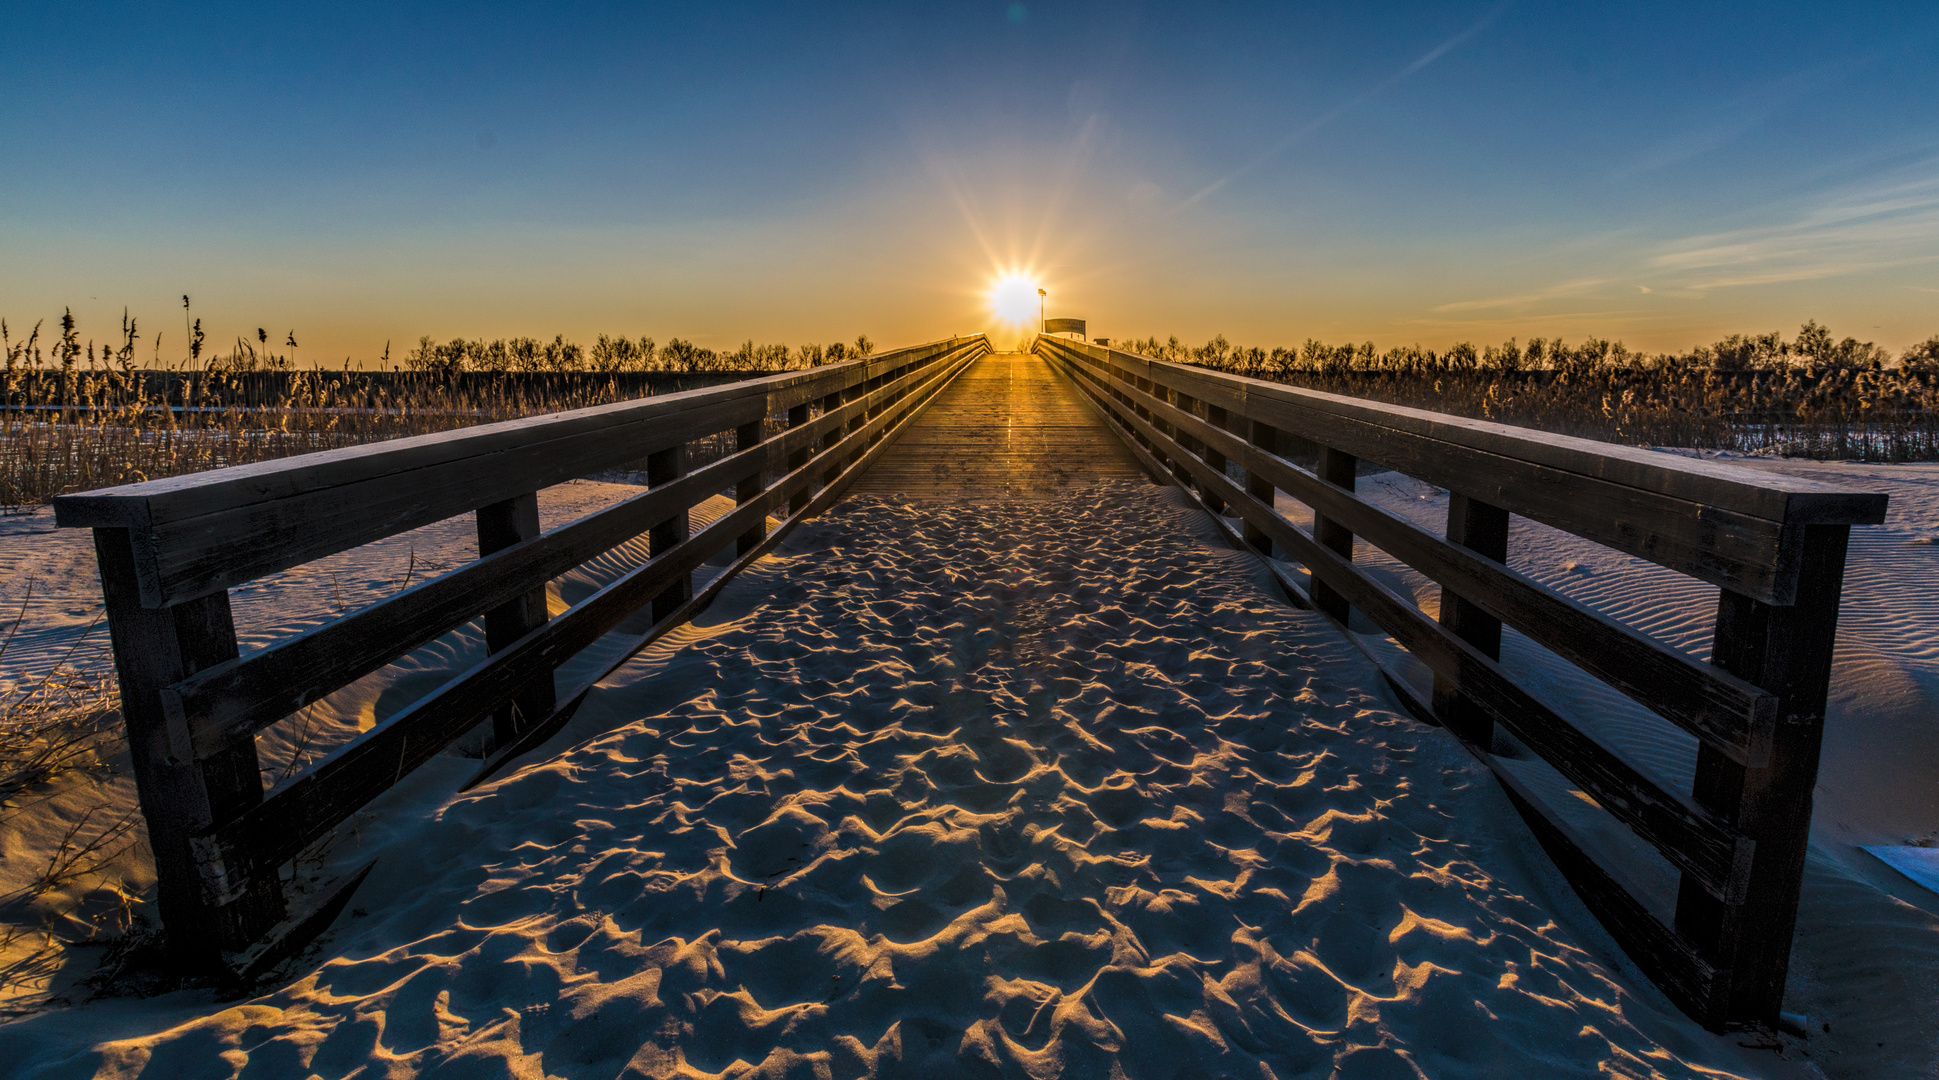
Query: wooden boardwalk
[(1007, 428)]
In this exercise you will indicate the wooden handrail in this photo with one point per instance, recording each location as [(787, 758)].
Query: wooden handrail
[(197, 534), (170, 549), (1774, 545)]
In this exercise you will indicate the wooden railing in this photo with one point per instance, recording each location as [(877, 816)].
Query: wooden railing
[(1775, 547), (169, 551)]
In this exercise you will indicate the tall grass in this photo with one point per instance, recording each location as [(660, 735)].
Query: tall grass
[(74, 418), (1811, 396)]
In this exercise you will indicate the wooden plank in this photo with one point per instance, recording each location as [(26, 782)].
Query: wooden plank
[(502, 525), (1712, 541), (1673, 963), (179, 796), (663, 468), (1482, 529), (1774, 497), (196, 494), (1698, 986), (1726, 712), (1336, 467), (208, 531), (1007, 428), (747, 437), (1689, 835), (234, 700), (802, 505), (332, 789), (1787, 650)]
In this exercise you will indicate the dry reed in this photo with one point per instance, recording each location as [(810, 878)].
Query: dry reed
[(1811, 396)]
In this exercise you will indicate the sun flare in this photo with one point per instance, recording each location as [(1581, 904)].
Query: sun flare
[(1014, 299)]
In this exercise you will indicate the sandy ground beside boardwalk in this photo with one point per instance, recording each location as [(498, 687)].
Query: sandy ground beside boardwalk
[(1040, 789), (1865, 960)]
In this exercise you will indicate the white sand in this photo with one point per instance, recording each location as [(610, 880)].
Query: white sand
[(51, 571), (1866, 959), (1037, 790)]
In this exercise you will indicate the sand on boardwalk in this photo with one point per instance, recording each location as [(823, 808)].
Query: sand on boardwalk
[(1865, 963), (1035, 789)]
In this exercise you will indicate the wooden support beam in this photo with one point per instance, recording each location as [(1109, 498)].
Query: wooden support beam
[(501, 525), (798, 417), (1215, 416), (181, 797), (747, 437), (1788, 651), (1482, 529), (1337, 467), (665, 467), (1266, 439)]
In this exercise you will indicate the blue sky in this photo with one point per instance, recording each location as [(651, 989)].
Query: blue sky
[(1662, 173)]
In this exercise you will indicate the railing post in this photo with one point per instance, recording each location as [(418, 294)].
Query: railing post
[(1177, 400), (798, 417), (1336, 467), (833, 437), (1266, 438), (1215, 416), (1482, 529), (181, 797), (1787, 651), (664, 467), (500, 525), (747, 437)]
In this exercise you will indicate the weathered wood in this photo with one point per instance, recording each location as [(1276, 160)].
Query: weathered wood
[(1688, 834), (747, 437), (204, 532), (1776, 547), (1774, 497), (1635, 501), (332, 789), (1482, 529), (1788, 651), (1214, 417), (1726, 712), (1337, 467), (501, 525), (194, 556), (180, 796), (1262, 437), (798, 418), (662, 468), (1007, 428), (794, 490), (1697, 985), (236, 699)]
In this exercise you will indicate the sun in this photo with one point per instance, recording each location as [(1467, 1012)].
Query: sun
[(1014, 299)]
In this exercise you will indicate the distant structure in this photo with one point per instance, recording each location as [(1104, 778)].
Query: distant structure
[(1065, 326)]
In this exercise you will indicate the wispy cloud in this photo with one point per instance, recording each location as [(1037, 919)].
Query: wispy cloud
[(1349, 105), (1524, 300), (1888, 223)]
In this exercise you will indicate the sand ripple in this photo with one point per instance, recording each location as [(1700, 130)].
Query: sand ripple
[(1023, 790)]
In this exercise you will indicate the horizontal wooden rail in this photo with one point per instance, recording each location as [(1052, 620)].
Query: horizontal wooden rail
[(236, 699), (204, 532), (1725, 711), (169, 551), (323, 795), (1720, 524), (1773, 544)]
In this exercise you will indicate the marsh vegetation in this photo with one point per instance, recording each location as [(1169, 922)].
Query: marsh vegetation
[(76, 416), (1809, 396)]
